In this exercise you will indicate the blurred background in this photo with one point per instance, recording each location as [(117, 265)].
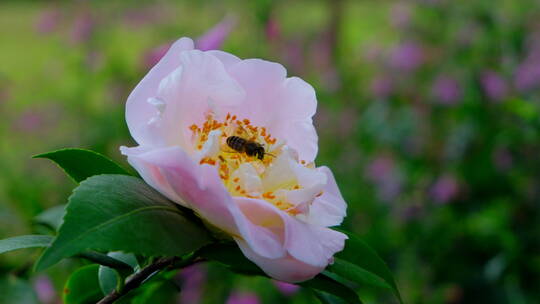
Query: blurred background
[(429, 116)]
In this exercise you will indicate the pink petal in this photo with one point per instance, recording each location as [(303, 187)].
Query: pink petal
[(172, 172), (200, 85), (310, 248), (227, 59), (195, 185), (284, 105), (330, 208), (285, 269), (311, 244), (138, 110)]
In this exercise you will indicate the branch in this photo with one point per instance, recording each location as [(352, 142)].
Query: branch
[(137, 279), (140, 277), (106, 260)]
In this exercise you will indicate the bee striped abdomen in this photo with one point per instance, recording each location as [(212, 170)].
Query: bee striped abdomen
[(236, 143)]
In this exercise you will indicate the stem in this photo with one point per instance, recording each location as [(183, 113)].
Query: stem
[(105, 260), (140, 277)]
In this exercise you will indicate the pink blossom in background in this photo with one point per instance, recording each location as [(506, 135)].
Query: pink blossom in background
[(293, 55), (502, 159), (154, 55), (372, 52), (193, 280), (407, 56), (214, 38), (444, 189), (384, 173), (44, 289), (272, 29), (446, 90), (527, 76), (381, 86), (238, 297), (494, 85), (48, 20), (287, 289), (83, 26), (29, 121), (211, 40), (410, 212), (322, 49), (149, 15), (278, 208), (400, 15)]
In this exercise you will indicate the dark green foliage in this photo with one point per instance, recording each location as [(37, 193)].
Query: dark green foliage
[(119, 212), (24, 241), (80, 164), (82, 287)]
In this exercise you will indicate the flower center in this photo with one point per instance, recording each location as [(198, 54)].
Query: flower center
[(251, 163)]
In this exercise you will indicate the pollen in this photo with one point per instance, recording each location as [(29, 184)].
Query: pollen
[(269, 195), (207, 160), (228, 160)]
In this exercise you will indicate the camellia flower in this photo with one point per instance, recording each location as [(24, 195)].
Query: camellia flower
[(234, 141)]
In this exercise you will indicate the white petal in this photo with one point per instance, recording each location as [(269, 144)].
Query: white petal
[(249, 179)]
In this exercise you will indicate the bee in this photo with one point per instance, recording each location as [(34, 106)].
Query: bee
[(242, 145)]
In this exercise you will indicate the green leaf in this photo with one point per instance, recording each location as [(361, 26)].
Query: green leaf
[(325, 284), (82, 286), (358, 253), (122, 213), (356, 274), (109, 278), (327, 298), (16, 291), (80, 164), (229, 255), (52, 217), (157, 292), (24, 241)]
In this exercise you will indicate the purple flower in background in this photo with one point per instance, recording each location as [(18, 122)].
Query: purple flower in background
[(321, 51), (30, 121), (154, 55), (48, 21), (494, 85), (213, 38), (83, 27), (407, 56), (294, 55), (444, 189), (148, 15), (446, 90), (372, 52), (381, 86), (527, 75), (242, 298), (502, 159), (272, 29), (287, 289), (400, 15), (193, 279), (44, 289), (384, 173)]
